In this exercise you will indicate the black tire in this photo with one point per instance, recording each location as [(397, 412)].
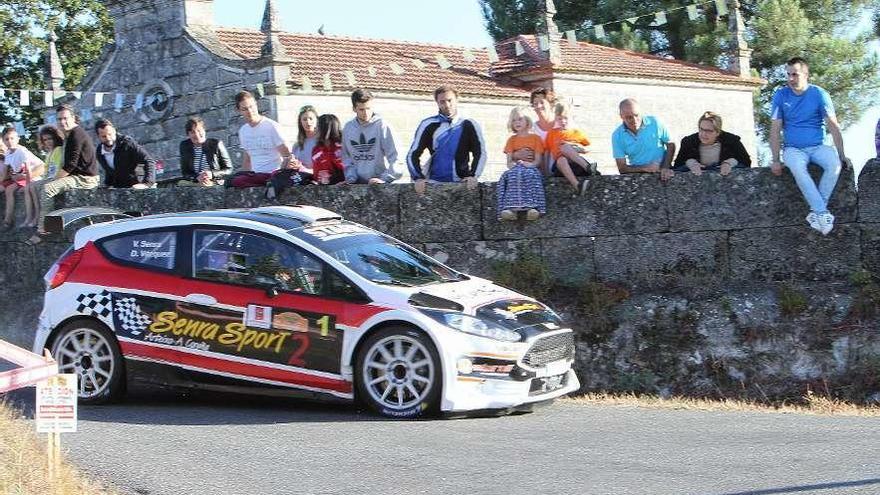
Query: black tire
[(89, 350), (412, 376)]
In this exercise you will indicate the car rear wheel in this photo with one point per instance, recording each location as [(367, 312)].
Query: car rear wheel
[(89, 350), (398, 373)]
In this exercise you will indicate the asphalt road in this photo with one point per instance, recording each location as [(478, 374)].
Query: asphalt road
[(176, 446)]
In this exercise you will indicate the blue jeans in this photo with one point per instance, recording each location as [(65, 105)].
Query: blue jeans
[(796, 159)]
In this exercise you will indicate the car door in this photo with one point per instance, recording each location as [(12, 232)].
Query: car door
[(264, 311)]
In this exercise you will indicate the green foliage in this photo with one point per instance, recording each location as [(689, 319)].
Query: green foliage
[(822, 31), (527, 274), (792, 302), (596, 302), (83, 28)]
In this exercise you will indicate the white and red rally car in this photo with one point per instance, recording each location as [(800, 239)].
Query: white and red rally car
[(299, 301)]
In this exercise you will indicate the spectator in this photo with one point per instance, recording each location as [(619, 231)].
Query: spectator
[(368, 150), (711, 148), (20, 168), (51, 141), (543, 102), (521, 188), (327, 155), (262, 145), (204, 161), (456, 145), (877, 138), (120, 156), (801, 110), (567, 147), (641, 143), (306, 137), (79, 168)]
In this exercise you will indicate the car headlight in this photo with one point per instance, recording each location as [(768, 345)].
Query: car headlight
[(476, 326)]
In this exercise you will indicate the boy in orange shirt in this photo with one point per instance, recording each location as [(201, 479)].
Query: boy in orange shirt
[(567, 148)]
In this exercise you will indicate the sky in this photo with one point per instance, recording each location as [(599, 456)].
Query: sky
[(451, 22)]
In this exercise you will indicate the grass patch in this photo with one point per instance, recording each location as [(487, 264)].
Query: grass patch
[(24, 467), (812, 404), (792, 302), (528, 274)]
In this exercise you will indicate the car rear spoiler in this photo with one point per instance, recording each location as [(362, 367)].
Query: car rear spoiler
[(57, 221)]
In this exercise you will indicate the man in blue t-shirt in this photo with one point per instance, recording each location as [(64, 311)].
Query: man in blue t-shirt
[(802, 110), (643, 141)]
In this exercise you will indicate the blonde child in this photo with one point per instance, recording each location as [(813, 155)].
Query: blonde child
[(567, 146), (521, 187), (21, 168)]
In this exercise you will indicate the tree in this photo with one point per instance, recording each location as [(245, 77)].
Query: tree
[(818, 30), (83, 28)]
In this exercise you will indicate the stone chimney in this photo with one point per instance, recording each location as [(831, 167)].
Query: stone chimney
[(198, 13), (740, 56), (549, 29), (54, 72), (145, 21)]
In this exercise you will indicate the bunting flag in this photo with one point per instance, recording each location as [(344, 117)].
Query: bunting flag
[(492, 53), (632, 20), (19, 128), (396, 68), (570, 36), (518, 48), (51, 119), (281, 88), (328, 84), (306, 84), (371, 71), (692, 12), (543, 43), (47, 98), (260, 90), (600, 31), (349, 77), (442, 62), (721, 7), (418, 63), (119, 102), (138, 102), (99, 99), (77, 94), (468, 55), (86, 114), (659, 19), (59, 94)]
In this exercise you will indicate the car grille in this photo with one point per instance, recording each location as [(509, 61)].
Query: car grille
[(548, 349)]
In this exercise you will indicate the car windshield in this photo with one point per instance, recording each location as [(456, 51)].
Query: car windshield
[(375, 256)]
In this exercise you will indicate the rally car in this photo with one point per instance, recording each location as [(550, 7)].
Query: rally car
[(294, 300)]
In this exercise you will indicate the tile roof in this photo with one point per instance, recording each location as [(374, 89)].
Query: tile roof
[(315, 55)]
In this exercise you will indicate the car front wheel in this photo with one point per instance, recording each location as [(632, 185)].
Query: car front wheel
[(90, 351), (398, 373)]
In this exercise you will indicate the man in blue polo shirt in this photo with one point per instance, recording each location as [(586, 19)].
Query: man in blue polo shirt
[(641, 144), (802, 110)]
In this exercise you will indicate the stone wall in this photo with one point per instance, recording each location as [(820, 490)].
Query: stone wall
[(701, 260)]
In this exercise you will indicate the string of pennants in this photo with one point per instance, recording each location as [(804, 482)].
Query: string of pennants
[(120, 100)]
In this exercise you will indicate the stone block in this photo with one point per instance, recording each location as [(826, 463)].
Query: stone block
[(571, 260), (871, 247), (478, 257), (663, 260), (445, 213), (794, 253), (869, 192), (612, 205)]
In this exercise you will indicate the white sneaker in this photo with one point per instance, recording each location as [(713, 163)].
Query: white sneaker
[(826, 222), (813, 220)]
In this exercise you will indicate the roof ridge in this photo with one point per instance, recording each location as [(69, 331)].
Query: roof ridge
[(352, 38)]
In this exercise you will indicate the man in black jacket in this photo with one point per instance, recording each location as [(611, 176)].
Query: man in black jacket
[(79, 168), (204, 161), (119, 156)]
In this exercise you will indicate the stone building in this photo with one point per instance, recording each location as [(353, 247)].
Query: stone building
[(181, 64)]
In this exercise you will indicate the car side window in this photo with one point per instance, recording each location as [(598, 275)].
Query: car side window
[(155, 249), (250, 259)]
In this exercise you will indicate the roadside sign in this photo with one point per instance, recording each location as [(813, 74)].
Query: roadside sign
[(56, 404)]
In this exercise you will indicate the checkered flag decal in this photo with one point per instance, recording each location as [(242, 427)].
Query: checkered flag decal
[(95, 304), (130, 316)]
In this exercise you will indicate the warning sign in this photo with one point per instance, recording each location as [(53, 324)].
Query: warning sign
[(56, 404)]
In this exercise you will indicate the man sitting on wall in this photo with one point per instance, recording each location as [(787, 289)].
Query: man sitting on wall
[(641, 144), (264, 150), (204, 161), (120, 155), (456, 145)]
